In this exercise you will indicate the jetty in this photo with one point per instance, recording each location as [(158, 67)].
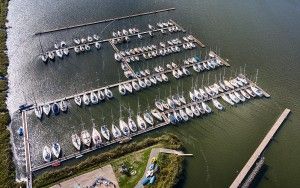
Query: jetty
[(243, 173), (105, 20), (27, 151)]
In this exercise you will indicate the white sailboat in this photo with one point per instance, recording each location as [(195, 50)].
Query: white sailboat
[(86, 138), (86, 99), (147, 82), (156, 114), (132, 124), (141, 122), (38, 112), (47, 154), (226, 99), (217, 104), (241, 97), (76, 141), (234, 98), (94, 98), (171, 103), (175, 74), (128, 87), (141, 83), (101, 95), (201, 110), (165, 105), (195, 111), (245, 94), (122, 89), (116, 131), (257, 91), (124, 127), (206, 107), (96, 137), (250, 92), (135, 86), (148, 118), (63, 106), (108, 93), (189, 112), (78, 100), (184, 116), (159, 105), (164, 77), (105, 132), (56, 149), (47, 109)]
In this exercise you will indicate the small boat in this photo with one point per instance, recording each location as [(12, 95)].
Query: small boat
[(250, 92), (171, 103), (201, 110), (66, 51), (214, 89), (156, 114), (239, 82), (83, 40), (87, 47), (122, 89), (228, 84), (175, 74), (217, 104), (56, 46), (241, 97), (96, 37), (147, 82), (227, 99), (206, 107), (135, 86), (141, 122), (203, 93), (51, 55), (180, 73), (86, 99), (96, 137), (186, 71), (94, 98), (77, 49), (56, 149), (184, 116), (44, 57), (78, 100), (132, 125), (234, 83), (159, 105), (76, 141), (82, 48), (86, 138), (182, 99), (141, 83), (189, 112), (128, 87), (153, 80), (165, 105), (47, 109), (101, 95), (257, 91), (147, 71), (195, 111), (209, 91), (242, 80), (158, 77), (192, 96), (76, 40), (164, 77), (55, 108), (220, 89), (89, 39), (47, 154), (98, 45), (206, 66), (197, 94), (140, 36), (176, 100), (148, 118), (174, 65), (196, 68), (177, 116), (116, 131), (63, 106), (108, 93), (38, 112), (105, 132), (59, 53), (172, 119), (223, 86), (245, 94), (234, 98), (124, 127)]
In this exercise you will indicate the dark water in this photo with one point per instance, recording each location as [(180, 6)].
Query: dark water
[(262, 35)]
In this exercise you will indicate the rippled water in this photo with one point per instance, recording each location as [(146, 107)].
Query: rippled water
[(262, 35)]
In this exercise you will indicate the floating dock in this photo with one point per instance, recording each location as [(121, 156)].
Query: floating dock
[(27, 151), (238, 180), (104, 21)]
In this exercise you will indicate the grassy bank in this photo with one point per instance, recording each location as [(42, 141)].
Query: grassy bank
[(170, 170), (7, 170), (96, 161)]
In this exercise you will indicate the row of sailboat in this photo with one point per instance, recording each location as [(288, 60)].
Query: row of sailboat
[(94, 97), (55, 108), (51, 54), (88, 39), (47, 152)]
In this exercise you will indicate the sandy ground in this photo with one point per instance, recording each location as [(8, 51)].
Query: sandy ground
[(88, 179)]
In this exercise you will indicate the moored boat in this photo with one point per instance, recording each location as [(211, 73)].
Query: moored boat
[(86, 138), (47, 154), (105, 132), (56, 149), (76, 141), (96, 137)]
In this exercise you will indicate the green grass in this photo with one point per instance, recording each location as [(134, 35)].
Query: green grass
[(55, 176), (138, 161)]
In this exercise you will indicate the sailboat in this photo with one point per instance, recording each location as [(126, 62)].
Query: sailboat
[(234, 98), (96, 137), (257, 91), (94, 98), (164, 77), (86, 99), (245, 94), (228, 100), (148, 118), (38, 112), (47, 154), (184, 116), (86, 138), (175, 74), (55, 108), (141, 83), (63, 106), (135, 86), (153, 80), (195, 110), (116, 131), (147, 82), (250, 92), (76, 141), (66, 51), (122, 89), (186, 71), (217, 104), (56, 149), (101, 95), (172, 118), (206, 107), (171, 103), (132, 124), (108, 93), (165, 105), (201, 110), (105, 132), (78, 100), (182, 99), (203, 93), (124, 127), (158, 77), (128, 87), (228, 84), (241, 97), (176, 100), (47, 109), (156, 114), (189, 112)]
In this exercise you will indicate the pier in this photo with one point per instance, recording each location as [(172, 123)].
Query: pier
[(238, 180), (104, 21), (27, 151)]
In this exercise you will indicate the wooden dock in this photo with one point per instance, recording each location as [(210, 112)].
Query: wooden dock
[(27, 151), (238, 180), (105, 20)]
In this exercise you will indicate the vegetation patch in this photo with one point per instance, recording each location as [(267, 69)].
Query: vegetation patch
[(54, 176)]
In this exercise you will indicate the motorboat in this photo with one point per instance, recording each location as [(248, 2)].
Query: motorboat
[(165, 105), (189, 112), (156, 114), (206, 107), (234, 98), (184, 116), (63, 106), (38, 112), (101, 95), (217, 104), (86, 138), (47, 109), (76, 141), (195, 111), (175, 74), (94, 98), (116, 131), (132, 125), (108, 93), (135, 86), (257, 91), (171, 103), (241, 97), (122, 89), (245, 94), (141, 122), (55, 108), (86, 99), (124, 127), (148, 118), (47, 154), (250, 92), (105, 132), (96, 137), (141, 83), (227, 99), (78, 100), (56, 149)]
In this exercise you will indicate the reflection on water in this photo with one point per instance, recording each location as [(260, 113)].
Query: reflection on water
[(262, 35)]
